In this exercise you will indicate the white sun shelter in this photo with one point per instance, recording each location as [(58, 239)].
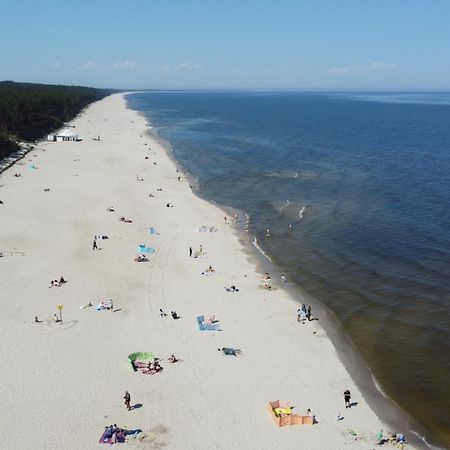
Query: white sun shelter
[(64, 135)]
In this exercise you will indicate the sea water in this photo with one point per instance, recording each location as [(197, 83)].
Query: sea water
[(363, 178)]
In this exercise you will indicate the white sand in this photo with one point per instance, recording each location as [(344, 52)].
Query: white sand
[(60, 385)]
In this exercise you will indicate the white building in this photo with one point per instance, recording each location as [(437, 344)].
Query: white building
[(64, 135)]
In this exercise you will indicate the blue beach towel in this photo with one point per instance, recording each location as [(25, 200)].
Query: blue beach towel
[(143, 249)]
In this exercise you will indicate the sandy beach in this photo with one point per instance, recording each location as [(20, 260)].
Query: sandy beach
[(63, 383)]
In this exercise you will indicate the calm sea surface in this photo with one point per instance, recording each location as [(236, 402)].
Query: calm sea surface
[(364, 180)]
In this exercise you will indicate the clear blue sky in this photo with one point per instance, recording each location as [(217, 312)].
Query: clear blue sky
[(280, 44)]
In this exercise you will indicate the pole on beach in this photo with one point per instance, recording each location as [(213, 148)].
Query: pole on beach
[(60, 308)]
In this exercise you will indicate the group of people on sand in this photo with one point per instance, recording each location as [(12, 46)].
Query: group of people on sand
[(232, 288), (108, 305), (56, 283), (114, 434), (304, 313), (173, 314), (196, 254)]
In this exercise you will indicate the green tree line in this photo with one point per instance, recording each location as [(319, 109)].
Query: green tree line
[(30, 111)]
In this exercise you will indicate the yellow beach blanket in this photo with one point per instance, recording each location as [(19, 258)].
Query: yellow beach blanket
[(280, 411)]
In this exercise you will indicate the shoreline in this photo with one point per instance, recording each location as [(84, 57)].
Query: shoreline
[(86, 361), (349, 355)]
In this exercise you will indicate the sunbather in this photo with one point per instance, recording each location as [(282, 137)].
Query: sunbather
[(208, 271), (174, 315), (232, 288), (86, 306), (173, 359), (229, 351), (123, 219)]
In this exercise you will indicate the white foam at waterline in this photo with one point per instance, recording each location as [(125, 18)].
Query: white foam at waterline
[(287, 204), (424, 439), (379, 388), (255, 243), (302, 211)]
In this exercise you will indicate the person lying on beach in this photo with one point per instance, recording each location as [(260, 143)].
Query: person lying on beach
[(154, 367), (173, 359), (111, 209), (159, 189), (108, 305), (123, 219), (174, 315), (212, 319), (208, 271), (150, 195), (62, 280), (229, 351), (36, 320), (17, 175), (55, 283), (169, 205), (232, 288), (46, 189), (162, 313), (86, 306), (266, 276), (141, 258)]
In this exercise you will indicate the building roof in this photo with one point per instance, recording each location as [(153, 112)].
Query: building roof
[(66, 133)]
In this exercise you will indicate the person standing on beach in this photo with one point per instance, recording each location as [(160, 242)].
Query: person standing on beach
[(308, 313), (127, 400), (236, 217), (94, 244), (200, 252), (347, 398), (190, 251)]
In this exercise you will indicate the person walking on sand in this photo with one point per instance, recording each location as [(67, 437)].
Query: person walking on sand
[(200, 252), (127, 400), (94, 244), (308, 313), (347, 398), (190, 251)]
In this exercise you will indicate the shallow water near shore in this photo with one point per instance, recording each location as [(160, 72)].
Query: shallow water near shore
[(362, 178)]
